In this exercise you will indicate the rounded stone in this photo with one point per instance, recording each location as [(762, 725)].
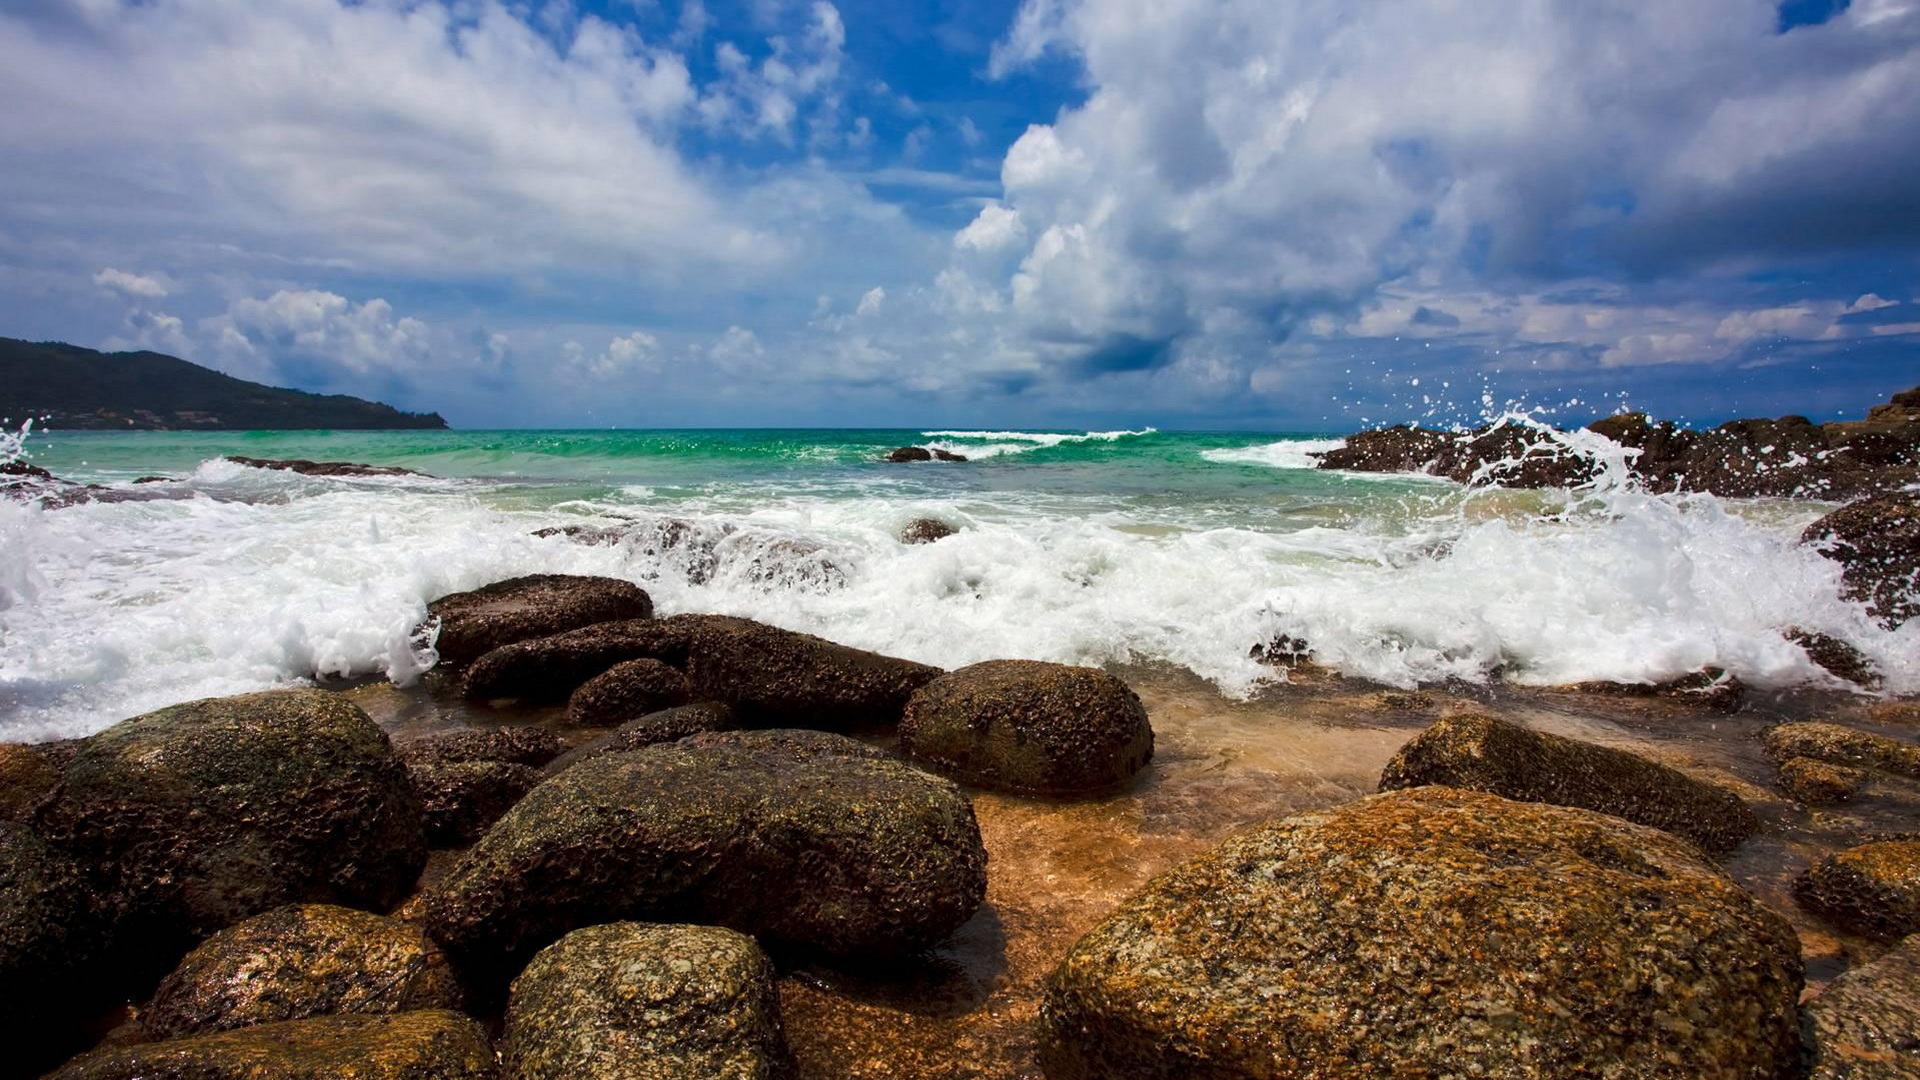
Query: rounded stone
[(1413, 933), (1028, 726), (926, 531), (627, 691), (1871, 889), (27, 777), (519, 745), (460, 800), (1820, 783), (667, 725), (427, 1045), (1840, 745), (537, 605)]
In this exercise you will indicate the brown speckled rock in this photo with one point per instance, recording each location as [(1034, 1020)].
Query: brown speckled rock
[(1878, 543), (1820, 783), (926, 531), (1866, 1023), (299, 961), (1482, 753), (1836, 657), (551, 668), (1413, 933), (1712, 690), (460, 800), (538, 605), (50, 931), (634, 1001), (428, 1045), (518, 745), (202, 814), (1872, 889), (1027, 726), (27, 776), (627, 691), (1842, 746), (778, 678), (667, 725), (800, 838)]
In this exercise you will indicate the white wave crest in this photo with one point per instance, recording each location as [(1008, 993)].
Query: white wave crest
[(987, 444), (1287, 454)]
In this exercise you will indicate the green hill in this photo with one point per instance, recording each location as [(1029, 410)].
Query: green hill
[(65, 386)]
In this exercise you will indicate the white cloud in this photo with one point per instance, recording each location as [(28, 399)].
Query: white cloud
[(635, 352), (131, 284), (996, 227), (870, 302), (314, 324)]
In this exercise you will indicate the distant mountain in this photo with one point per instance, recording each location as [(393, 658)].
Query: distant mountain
[(65, 386)]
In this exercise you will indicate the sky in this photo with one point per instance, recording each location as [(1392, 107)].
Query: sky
[(1243, 214)]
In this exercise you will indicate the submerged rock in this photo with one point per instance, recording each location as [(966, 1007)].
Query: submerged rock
[(537, 605), (516, 745), (689, 547), (200, 815), (299, 961), (626, 691), (926, 531), (1410, 933), (460, 800), (322, 468), (1820, 783), (427, 1045), (1872, 889), (1866, 1023), (1482, 753), (632, 1001), (1027, 726), (922, 453), (1877, 542), (800, 838), (667, 725), (1842, 746), (27, 777)]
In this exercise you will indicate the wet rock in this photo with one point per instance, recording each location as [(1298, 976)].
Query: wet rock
[(689, 547), (1842, 746), (27, 777), (1820, 783), (157, 480), (1712, 689), (1027, 726), (202, 814), (460, 800), (322, 468), (51, 930), (626, 691), (779, 678), (1409, 933), (922, 453), (1872, 889), (550, 669), (633, 1001), (667, 725), (800, 838), (1836, 657), (1866, 1023), (515, 745), (300, 961), (535, 606), (926, 531), (1401, 449), (1877, 542), (426, 1045), (1482, 753)]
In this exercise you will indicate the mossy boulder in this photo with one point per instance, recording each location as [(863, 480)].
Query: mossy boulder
[(803, 839), (1028, 726), (27, 777), (1482, 753), (1877, 542), (515, 745), (460, 800), (538, 605), (626, 691), (1866, 1024), (1842, 746), (51, 931), (427, 1045), (300, 961), (1871, 889), (200, 815), (1820, 783), (667, 725), (1421, 932), (634, 1001)]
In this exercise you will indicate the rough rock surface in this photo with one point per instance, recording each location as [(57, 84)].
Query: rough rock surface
[(1836, 657), (50, 930), (1842, 746), (926, 531), (667, 725), (626, 691), (1820, 783), (1872, 889), (1482, 753), (550, 669), (323, 468), (299, 961), (1712, 689), (202, 814), (922, 453), (1410, 933), (427, 1045), (778, 678), (27, 776), (460, 800), (634, 1001), (1877, 542), (1027, 726), (800, 838), (516, 745), (538, 605), (1866, 1024)]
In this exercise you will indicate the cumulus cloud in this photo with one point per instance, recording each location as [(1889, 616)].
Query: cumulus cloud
[(629, 353), (139, 285), (871, 300), (314, 325)]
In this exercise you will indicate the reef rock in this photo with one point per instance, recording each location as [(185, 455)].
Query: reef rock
[(1866, 1023), (427, 1045), (1877, 543), (538, 605), (1872, 889), (626, 691), (1842, 746), (322, 468)]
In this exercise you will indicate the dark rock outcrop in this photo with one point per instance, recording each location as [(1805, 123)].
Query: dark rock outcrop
[(1712, 689), (427, 1045), (926, 531), (1836, 657), (636, 1001), (1871, 889), (460, 800), (1410, 933), (300, 961), (200, 815), (550, 669), (1820, 783), (513, 745), (1866, 1024), (322, 468), (1842, 746), (922, 453), (779, 678), (1877, 542), (1027, 726), (1482, 753), (667, 725), (27, 777), (51, 931), (800, 838), (536, 606), (626, 691)]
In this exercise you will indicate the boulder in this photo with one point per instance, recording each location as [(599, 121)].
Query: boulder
[(1424, 931), (1871, 889), (779, 678), (322, 468), (1820, 783), (626, 691), (801, 838), (300, 961), (926, 531), (27, 777), (1836, 657), (1842, 746), (51, 930), (1481, 753), (1028, 726), (460, 800), (1877, 543), (1866, 1024), (200, 815), (922, 453), (550, 669), (632, 1001), (427, 1045), (515, 745), (667, 725), (538, 605)]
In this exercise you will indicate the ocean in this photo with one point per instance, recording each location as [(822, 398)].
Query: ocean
[(1117, 547)]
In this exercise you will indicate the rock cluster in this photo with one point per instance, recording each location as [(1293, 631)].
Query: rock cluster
[(535, 606), (922, 453)]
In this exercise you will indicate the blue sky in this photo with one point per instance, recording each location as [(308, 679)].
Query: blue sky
[(1257, 214)]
